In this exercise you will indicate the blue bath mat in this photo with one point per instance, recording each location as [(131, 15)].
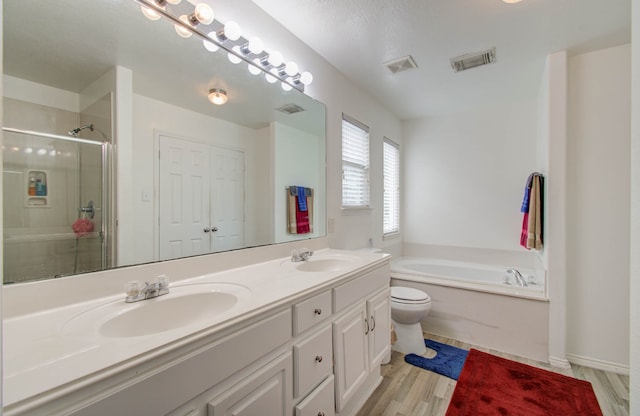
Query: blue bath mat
[(447, 362)]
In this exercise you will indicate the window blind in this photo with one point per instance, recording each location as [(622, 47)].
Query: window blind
[(355, 164), (391, 172)]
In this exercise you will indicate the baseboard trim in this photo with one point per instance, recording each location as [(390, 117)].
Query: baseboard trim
[(559, 362), (599, 364)]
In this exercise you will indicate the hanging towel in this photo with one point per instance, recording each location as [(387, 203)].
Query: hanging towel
[(299, 221), (527, 194), (292, 226), (534, 228), (302, 199), (524, 233), (302, 217), (531, 231)]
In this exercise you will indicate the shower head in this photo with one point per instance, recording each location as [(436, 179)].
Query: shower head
[(77, 130)]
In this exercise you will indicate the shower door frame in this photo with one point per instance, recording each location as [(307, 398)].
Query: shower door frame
[(106, 184)]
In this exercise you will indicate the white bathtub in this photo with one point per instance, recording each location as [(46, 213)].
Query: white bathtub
[(466, 275)]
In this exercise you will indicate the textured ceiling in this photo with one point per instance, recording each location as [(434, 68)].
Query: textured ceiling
[(359, 36)]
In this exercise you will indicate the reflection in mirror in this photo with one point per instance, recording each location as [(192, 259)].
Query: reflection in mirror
[(184, 176)]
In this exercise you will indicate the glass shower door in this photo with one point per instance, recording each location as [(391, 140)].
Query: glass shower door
[(54, 205)]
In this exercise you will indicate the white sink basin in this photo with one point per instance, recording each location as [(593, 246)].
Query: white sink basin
[(331, 264), (183, 306)]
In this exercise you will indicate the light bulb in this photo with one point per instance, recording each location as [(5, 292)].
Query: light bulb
[(210, 46), (254, 68), (291, 68), (275, 58), (232, 30), (306, 78), (270, 78), (149, 13), (28, 150), (42, 152), (181, 30), (233, 58), (203, 13), (286, 86), (218, 96), (52, 152), (256, 46)]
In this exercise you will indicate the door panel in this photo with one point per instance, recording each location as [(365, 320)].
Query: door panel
[(228, 199), (184, 198)]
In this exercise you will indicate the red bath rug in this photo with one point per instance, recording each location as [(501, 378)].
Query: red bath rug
[(494, 386)]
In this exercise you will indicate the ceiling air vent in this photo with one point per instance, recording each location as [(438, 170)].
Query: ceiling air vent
[(290, 108), (472, 60), (402, 64)]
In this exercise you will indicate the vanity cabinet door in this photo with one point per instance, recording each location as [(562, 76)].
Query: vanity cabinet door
[(267, 392), (351, 351), (379, 312)]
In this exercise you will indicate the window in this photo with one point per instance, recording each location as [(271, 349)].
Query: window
[(391, 172), (355, 164)]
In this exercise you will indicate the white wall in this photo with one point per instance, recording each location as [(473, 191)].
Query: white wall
[(598, 183), (634, 292), (553, 137), (296, 162), (464, 176), (339, 95), (153, 117)]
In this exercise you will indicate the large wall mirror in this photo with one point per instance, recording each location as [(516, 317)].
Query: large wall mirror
[(113, 154)]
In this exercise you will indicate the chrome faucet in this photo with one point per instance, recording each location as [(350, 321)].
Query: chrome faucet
[(301, 255), (519, 279), (135, 293)]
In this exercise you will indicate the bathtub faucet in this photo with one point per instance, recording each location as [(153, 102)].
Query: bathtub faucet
[(519, 279)]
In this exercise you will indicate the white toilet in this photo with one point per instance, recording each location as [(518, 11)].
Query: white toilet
[(408, 307)]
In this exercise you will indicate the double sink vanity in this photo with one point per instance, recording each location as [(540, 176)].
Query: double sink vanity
[(279, 337)]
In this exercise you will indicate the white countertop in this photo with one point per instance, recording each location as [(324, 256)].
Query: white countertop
[(45, 356)]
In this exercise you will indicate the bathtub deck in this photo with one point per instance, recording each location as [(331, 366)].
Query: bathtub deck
[(409, 390)]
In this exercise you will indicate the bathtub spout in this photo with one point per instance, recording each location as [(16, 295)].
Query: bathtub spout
[(519, 279)]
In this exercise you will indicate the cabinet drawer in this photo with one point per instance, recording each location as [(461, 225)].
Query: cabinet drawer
[(319, 402), (313, 361), (347, 294), (311, 311)]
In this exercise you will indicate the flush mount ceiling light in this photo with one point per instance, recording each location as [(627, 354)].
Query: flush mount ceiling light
[(511, 1), (218, 96), (228, 37)]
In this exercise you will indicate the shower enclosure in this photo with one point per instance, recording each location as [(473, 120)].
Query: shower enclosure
[(55, 202)]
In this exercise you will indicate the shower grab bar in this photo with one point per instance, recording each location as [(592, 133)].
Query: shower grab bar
[(52, 136)]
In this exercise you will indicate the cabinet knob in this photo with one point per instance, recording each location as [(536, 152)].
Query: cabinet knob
[(318, 358), (214, 229), (320, 413), (318, 311), (366, 325), (373, 323), (206, 230)]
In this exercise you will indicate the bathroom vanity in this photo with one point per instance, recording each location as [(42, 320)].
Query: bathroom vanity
[(273, 338)]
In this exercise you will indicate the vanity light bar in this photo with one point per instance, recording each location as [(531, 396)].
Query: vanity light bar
[(229, 38)]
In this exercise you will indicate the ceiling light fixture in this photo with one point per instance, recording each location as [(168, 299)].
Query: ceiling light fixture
[(218, 96), (511, 1)]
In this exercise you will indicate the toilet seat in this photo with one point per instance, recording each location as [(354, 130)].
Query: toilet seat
[(407, 295)]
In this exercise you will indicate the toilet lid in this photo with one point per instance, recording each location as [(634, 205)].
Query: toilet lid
[(407, 294)]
